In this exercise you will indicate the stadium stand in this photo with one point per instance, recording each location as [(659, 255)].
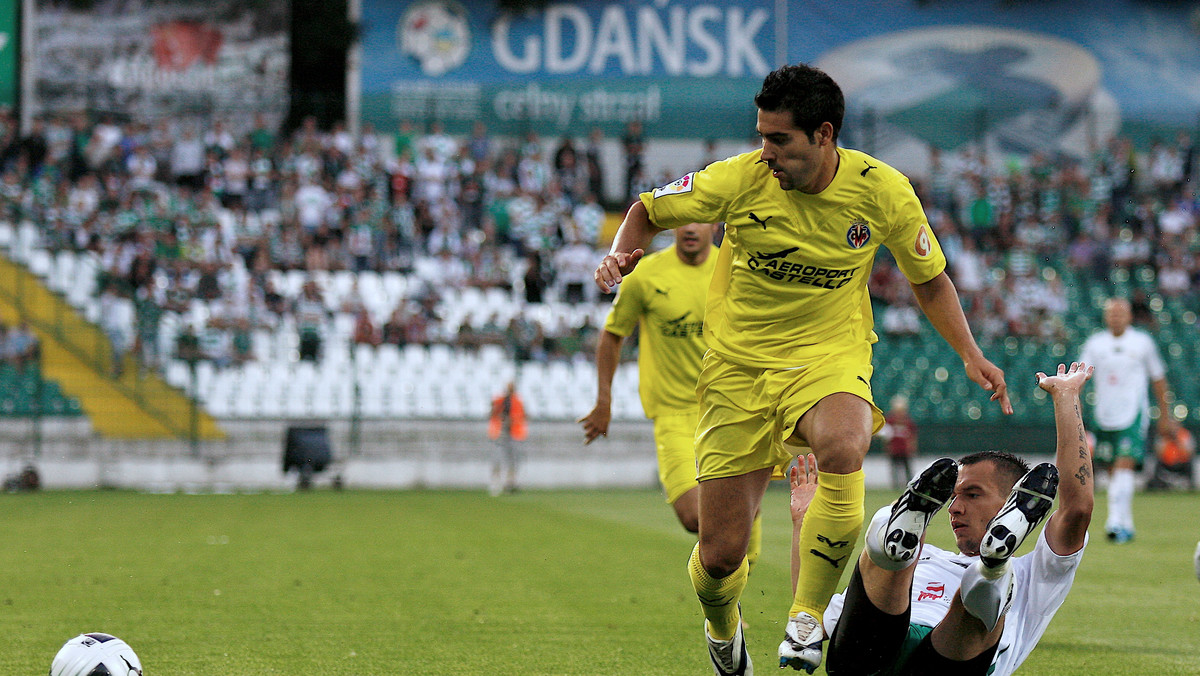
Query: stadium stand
[(435, 277)]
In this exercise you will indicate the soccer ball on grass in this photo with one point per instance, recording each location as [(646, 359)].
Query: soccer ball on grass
[(96, 654)]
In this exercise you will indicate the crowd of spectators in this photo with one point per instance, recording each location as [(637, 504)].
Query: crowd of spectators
[(1012, 230), (179, 213)]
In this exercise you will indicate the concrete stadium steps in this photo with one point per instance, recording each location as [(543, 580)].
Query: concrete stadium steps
[(75, 354)]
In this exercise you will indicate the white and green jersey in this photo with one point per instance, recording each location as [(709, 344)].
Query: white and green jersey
[(1125, 367), (1042, 580)]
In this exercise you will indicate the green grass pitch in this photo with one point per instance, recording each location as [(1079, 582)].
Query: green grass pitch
[(369, 583)]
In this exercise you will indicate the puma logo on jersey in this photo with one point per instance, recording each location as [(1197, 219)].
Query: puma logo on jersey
[(760, 221), (869, 167), (658, 290), (836, 563), (760, 256)]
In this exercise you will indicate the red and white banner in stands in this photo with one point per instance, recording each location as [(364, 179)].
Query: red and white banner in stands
[(166, 59)]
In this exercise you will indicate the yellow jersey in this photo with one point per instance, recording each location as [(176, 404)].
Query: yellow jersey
[(791, 280), (667, 296)]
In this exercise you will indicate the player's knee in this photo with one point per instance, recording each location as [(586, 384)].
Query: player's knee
[(841, 454), (721, 561)]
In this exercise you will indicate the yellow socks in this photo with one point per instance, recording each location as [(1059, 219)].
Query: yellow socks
[(827, 538), (754, 547), (718, 597)]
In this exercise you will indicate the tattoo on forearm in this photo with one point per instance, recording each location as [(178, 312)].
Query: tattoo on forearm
[(1084, 473)]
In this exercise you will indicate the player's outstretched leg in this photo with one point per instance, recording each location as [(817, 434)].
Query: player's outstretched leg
[(729, 658), (801, 647), (1026, 507), (910, 515)]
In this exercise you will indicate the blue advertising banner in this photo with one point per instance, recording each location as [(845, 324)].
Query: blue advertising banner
[(681, 68), (1055, 74)]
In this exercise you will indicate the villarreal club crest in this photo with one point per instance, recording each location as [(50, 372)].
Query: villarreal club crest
[(859, 233)]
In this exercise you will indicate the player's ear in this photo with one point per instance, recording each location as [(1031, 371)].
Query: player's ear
[(824, 133)]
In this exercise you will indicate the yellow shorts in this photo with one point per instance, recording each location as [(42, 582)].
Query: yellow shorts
[(747, 413), (675, 441)]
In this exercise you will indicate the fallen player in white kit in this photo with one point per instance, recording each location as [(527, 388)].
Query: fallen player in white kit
[(917, 609)]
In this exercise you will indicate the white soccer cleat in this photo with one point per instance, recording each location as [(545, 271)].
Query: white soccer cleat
[(801, 647), (729, 658), (1026, 507), (924, 496)]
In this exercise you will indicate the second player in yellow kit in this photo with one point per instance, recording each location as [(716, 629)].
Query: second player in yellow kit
[(789, 329)]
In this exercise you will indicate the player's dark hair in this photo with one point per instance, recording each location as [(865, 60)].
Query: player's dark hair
[(1011, 467), (811, 96)]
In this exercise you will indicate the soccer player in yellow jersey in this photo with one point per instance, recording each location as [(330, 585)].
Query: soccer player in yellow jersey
[(666, 296), (789, 331)]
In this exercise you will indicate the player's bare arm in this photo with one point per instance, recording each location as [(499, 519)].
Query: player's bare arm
[(628, 247), (1067, 526), (608, 351), (939, 301)]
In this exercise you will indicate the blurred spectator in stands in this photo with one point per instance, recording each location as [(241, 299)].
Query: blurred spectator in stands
[(117, 322), (241, 342), (311, 317), (587, 220), (365, 332), (21, 347), (312, 202), (969, 268), (1088, 256), (1130, 249), (216, 344), (574, 265), (536, 278), (187, 159), (479, 145), (418, 325), (395, 328), (594, 164), (900, 318), (520, 338), (1176, 221), (32, 147), (492, 332), (634, 144), (1174, 277), (899, 435), (569, 170), (1166, 163), (149, 304), (532, 171), (442, 144)]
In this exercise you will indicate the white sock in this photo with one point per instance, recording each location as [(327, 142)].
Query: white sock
[(987, 593), (1120, 500), (874, 541)]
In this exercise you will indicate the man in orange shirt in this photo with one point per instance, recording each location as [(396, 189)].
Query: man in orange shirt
[(506, 426)]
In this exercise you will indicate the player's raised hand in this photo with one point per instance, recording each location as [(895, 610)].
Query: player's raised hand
[(615, 266), (1068, 380), (991, 378), (803, 476)]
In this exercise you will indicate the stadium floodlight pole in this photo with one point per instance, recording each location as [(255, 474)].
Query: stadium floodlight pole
[(354, 70)]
